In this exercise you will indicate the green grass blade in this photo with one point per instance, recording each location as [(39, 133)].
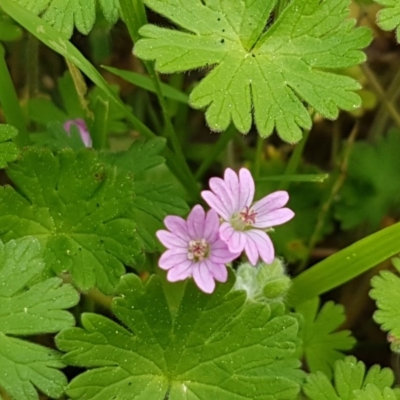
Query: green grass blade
[(10, 104), (295, 178), (346, 264), (146, 83)]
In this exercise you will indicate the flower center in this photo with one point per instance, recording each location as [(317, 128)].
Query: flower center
[(244, 219), (198, 250)]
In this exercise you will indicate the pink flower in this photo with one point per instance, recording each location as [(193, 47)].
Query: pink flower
[(245, 222), (83, 130), (195, 249)]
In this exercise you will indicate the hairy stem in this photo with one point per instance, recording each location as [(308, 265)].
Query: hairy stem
[(387, 103), (217, 148), (295, 160), (337, 182)]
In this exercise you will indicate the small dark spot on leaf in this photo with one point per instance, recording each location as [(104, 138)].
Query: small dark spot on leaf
[(218, 19), (253, 55), (222, 40)]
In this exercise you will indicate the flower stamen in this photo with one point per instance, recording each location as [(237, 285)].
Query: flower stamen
[(198, 250), (248, 216)]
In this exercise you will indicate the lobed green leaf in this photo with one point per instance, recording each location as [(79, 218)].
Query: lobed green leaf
[(389, 16), (386, 292), (350, 381), (30, 305), (77, 207), (267, 71), (8, 149), (323, 346), (65, 15), (214, 345)]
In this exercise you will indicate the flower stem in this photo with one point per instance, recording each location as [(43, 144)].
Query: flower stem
[(337, 181), (295, 160), (386, 102), (381, 117), (220, 145)]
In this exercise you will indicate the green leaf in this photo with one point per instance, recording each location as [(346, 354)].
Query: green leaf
[(8, 150), (140, 157), (64, 15), (44, 111), (372, 189), (349, 379), (56, 138), (322, 346), (29, 308), (371, 392), (78, 208), (389, 16), (271, 72), (153, 195), (213, 346), (386, 292)]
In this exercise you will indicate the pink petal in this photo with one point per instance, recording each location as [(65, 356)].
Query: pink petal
[(232, 182), (263, 244), (177, 225), (170, 240), (226, 230), (180, 272), (211, 226), (216, 204), (195, 222), (247, 188), (203, 277), (276, 217), (220, 254), (220, 272), (171, 258), (237, 241), (221, 189), (251, 251), (271, 202), (82, 128)]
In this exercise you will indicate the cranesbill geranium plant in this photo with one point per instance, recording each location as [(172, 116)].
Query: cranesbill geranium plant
[(195, 249), (244, 222), (79, 223)]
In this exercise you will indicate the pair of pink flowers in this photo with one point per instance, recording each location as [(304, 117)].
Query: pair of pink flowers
[(201, 246)]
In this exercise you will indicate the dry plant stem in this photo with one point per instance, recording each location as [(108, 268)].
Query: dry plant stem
[(342, 172), (80, 87), (381, 117), (387, 103)]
